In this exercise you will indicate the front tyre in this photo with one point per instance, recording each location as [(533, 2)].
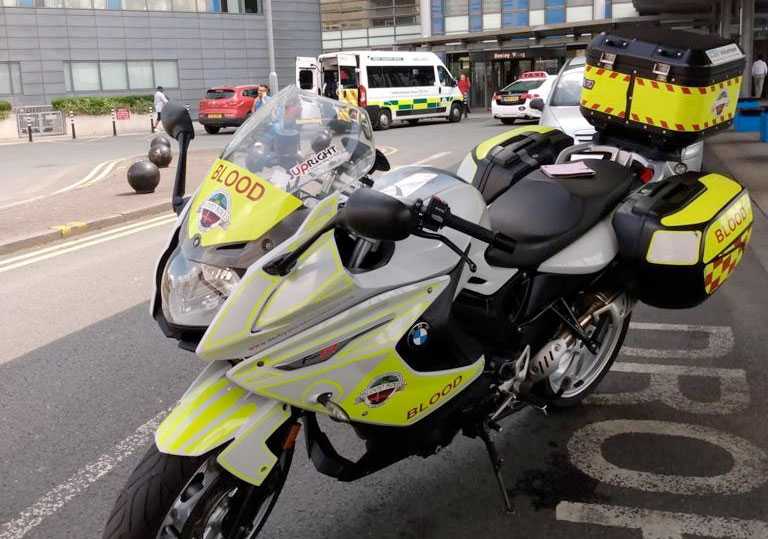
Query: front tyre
[(168, 496), (455, 113)]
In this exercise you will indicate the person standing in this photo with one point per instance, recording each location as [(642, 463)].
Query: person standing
[(160, 100), (464, 87), (759, 71), (262, 98)]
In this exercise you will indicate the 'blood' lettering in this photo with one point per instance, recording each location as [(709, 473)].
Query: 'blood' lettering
[(435, 398)]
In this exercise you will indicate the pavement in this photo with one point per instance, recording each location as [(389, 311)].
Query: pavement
[(674, 444)]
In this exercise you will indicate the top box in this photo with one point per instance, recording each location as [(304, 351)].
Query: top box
[(669, 86)]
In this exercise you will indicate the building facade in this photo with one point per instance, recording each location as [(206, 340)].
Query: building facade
[(433, 24), (53, 48)]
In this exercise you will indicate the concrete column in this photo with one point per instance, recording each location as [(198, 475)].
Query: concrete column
[(724, 28), (425, 16), (747, 43)]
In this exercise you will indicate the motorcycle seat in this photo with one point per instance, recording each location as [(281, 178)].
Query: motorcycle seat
[(547, 214)]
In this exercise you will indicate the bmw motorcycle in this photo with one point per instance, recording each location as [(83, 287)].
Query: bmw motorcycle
[(411, 305)]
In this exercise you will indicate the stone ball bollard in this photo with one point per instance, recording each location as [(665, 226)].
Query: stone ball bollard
[(160, 155), (143, 177), (160, 140)]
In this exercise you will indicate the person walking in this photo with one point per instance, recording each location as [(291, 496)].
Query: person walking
[(759, 71), (160, 100), (464, 87), (262, 98)]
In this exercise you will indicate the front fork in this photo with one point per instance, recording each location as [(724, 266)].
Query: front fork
[(215, 411)]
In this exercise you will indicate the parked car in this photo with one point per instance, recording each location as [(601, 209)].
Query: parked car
[(226, 106), (513, 101), (561, 111)]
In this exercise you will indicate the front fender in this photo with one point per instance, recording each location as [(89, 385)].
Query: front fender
[(215, 411)]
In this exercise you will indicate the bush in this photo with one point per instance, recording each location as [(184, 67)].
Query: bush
[(98, 105), (5, 109)]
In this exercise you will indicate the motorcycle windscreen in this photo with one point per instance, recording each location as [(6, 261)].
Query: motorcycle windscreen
[(234, 205)]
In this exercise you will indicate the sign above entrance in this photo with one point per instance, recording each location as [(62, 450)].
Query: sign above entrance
[(508, 55)]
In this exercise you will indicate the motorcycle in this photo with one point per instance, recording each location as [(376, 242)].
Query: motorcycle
[(407, 307)]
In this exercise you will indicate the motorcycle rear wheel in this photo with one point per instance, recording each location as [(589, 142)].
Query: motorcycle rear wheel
[(585, 370), (168, 496)]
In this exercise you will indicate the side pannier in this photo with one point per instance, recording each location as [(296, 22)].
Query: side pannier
[(685, 235)]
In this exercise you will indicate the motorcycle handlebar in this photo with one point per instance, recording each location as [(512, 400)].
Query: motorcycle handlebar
[(438, 214)]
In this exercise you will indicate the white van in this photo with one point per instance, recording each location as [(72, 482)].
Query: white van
[(399, 85)]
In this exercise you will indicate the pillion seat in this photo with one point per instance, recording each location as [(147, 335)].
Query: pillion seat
[(547, 214)]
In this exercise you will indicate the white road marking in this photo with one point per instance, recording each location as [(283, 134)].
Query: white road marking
[(97, 173), (75, 245), (664, 386), (434, 157), (58, 496), (720, 341), (748, 471), (661, 524)]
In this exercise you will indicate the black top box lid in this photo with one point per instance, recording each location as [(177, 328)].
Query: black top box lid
[(693, 59)]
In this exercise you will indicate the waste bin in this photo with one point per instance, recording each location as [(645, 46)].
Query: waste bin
[(748, 115), (764, 125)]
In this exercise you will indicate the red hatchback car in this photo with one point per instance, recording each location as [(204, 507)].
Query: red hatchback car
[(226, 106)]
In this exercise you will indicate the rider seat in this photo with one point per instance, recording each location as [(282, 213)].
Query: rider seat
[(544, 215)]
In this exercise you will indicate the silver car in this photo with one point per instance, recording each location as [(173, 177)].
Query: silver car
[(561, 111)]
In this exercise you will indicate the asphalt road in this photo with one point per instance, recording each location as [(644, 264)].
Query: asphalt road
[(674, 445)]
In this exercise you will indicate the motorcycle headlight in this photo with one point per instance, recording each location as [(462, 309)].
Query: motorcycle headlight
[(192, 292)]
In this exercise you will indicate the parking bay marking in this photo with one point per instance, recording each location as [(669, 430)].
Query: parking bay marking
[(57, 497), (660, 524)]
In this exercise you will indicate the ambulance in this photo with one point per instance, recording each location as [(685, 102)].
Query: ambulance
[(390, 85)]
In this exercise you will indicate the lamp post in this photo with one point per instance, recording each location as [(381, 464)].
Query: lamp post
[(270, 46)]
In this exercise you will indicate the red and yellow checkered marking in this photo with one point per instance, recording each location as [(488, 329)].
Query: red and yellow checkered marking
[(717, 271), (668, 106)]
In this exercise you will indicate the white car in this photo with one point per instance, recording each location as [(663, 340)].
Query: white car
[(513, 101)]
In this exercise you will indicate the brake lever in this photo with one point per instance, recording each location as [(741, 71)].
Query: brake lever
[(448, 243)]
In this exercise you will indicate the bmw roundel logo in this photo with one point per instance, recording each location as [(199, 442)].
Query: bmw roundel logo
[(419, 334)]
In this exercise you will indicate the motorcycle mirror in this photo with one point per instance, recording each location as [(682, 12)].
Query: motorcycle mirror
[(177, 121), (537, 104), (178, 124), (381, 163), (374, 215)]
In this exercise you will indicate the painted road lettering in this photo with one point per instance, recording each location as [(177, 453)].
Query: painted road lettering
[(749, 469), (664, 386), (661, 524)]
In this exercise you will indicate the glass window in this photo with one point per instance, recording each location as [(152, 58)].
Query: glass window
[(522, 86), (608, 9), (401, 76), (185, 5), (514, 13), (140, 75), (5, 79), (166, 74), (306, 79), (135, 5), (251, 6), (567, 93), (475, 15), (219, 93), (114, 4), (445, 77), (67, 77), (159, 5), (85, 76), (15, 77), (491, 6), (555, 11), (78, 4), (438, 22), (113, 76), (456, 7)]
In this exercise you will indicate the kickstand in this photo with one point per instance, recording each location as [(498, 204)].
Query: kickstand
[(496, 462)]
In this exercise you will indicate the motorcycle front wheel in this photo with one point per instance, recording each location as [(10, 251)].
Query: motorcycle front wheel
[(172, 497)]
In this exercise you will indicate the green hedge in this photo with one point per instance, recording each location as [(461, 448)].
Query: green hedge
[(5, 109), (93, 105)]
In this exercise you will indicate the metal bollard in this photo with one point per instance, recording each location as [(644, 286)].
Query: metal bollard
[(29, 128), (72, 123), (114, 125), (151, 121)]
